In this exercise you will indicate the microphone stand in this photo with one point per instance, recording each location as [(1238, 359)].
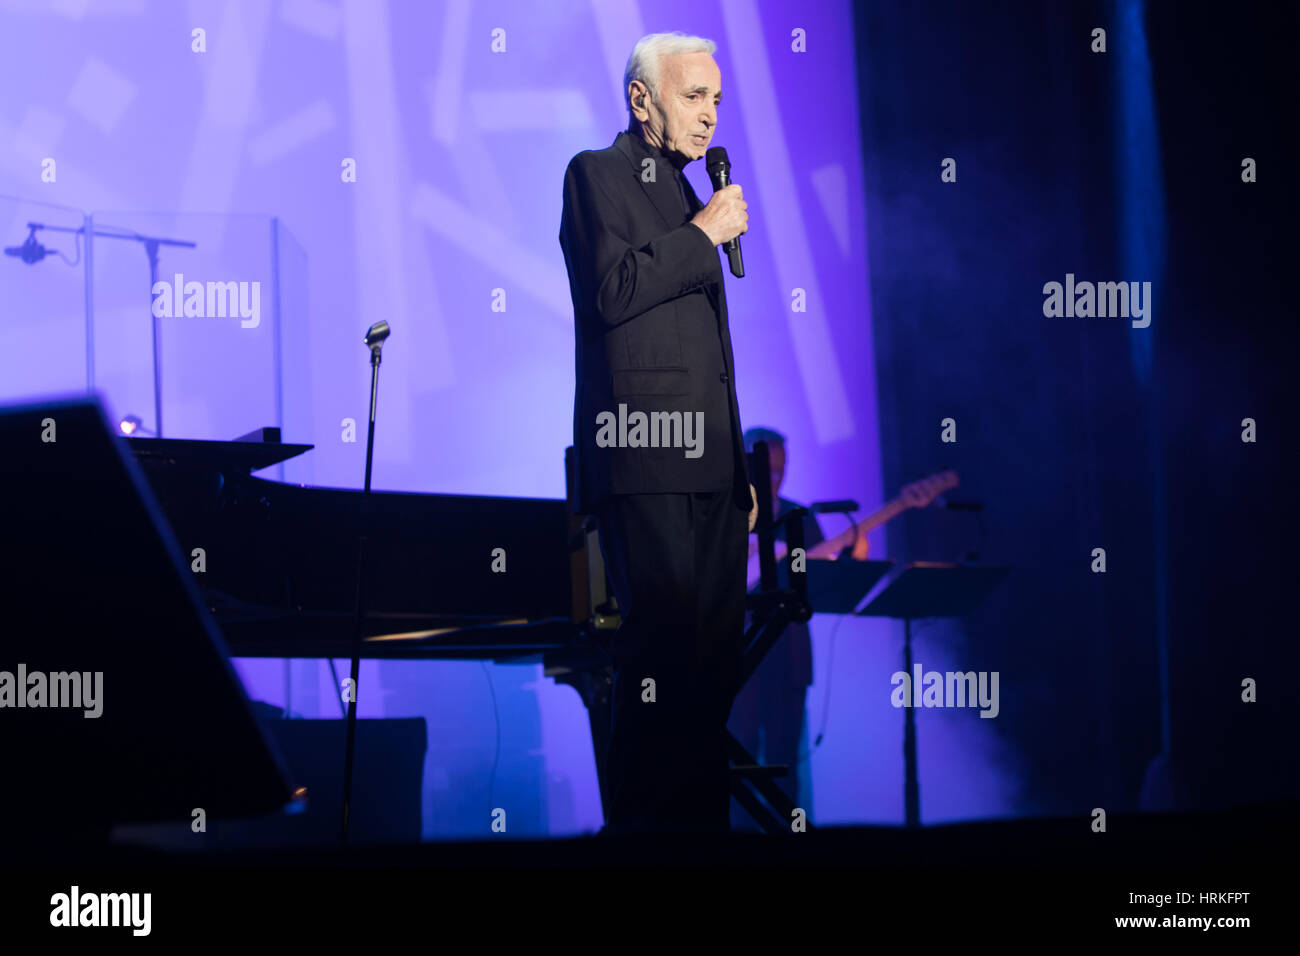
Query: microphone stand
[(151, 245), (375, 337)]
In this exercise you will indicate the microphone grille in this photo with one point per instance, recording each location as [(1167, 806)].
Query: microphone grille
[(716, 156)]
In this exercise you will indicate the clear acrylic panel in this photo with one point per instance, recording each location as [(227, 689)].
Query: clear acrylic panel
[(225, 296), (295, 352), (42, 302)]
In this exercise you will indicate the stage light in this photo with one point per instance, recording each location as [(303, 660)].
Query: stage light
[(131, 424)]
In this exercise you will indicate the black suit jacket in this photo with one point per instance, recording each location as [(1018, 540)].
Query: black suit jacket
[(650, 326)]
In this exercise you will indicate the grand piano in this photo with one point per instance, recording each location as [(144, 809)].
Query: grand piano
[(152, 559), (443, 576)]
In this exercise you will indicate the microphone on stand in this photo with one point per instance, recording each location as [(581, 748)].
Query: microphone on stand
[(30, 251), (719, 166), (376, 335)]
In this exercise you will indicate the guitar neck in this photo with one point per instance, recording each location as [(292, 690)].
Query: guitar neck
[(919, 494), (845, 539), (831, 547)]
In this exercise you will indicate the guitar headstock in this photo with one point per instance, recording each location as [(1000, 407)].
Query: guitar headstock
[(919, 494)]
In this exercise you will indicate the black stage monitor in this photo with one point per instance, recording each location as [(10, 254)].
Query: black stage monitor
[(118, 702)]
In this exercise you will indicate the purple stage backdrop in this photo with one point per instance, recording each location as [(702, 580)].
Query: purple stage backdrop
[(379, 159)]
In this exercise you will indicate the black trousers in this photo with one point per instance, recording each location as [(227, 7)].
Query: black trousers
[(677, 566)]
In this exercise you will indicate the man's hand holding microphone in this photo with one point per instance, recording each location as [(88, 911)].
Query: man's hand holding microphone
[(724, 218)]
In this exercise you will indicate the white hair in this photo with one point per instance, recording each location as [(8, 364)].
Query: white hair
[(643, 64)]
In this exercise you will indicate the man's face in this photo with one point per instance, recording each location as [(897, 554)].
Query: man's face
[(681, 117)]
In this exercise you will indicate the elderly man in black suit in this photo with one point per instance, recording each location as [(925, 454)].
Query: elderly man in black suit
[(660, 454)]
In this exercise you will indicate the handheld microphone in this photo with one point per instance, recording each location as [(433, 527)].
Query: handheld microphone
[(719, 166)]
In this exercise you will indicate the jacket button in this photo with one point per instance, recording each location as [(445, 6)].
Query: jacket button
[(722, 377)]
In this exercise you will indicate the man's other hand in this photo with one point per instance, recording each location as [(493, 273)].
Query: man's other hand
[(753, 508), (724, 218)]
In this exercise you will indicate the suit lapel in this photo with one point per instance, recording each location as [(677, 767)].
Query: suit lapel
[(662, 193), (696, 205), (711, 289)]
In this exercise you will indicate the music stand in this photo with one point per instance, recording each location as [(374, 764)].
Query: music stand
[(928, 589), (838, 587), (832, 587)]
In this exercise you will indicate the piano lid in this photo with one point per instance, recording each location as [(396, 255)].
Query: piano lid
[(227, 457)]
